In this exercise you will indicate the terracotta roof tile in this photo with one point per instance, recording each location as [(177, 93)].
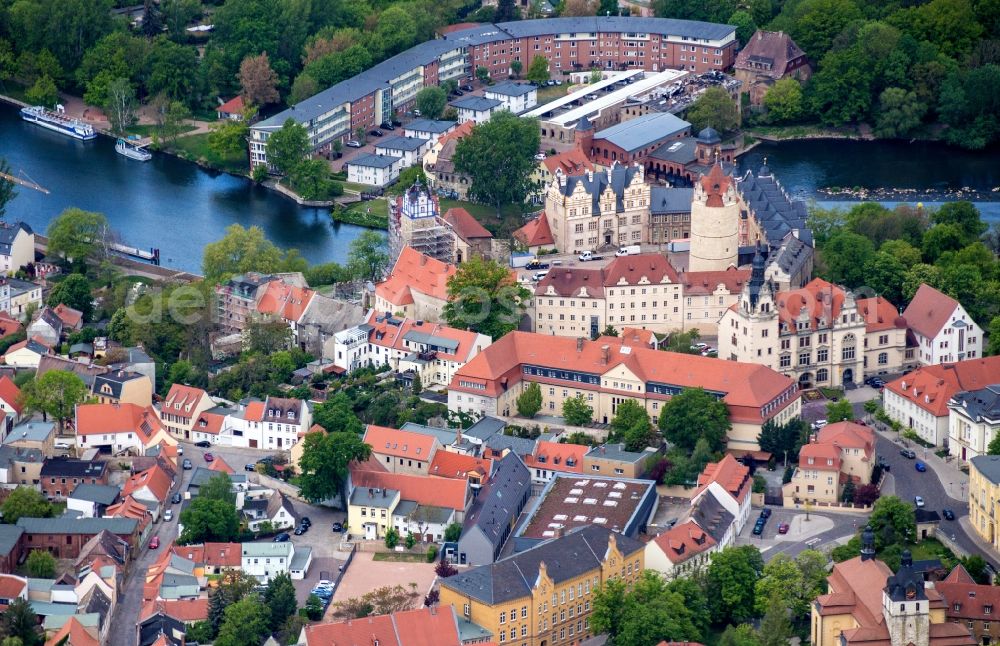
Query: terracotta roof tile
[(697, 283), (414, 271), (731, 474), (185, 610), (457, 465), (572, 282), (567, 458), (210, 423), (681, 542), (824, 457), (435, 492), (400, 444), (930, 387), (393, 334), (466, 226), (848, 435), (100, 419), (821, 299), (631, 270), (535, 233), (69, 316), (155, 479), (364, 631), (287, 301), (218, 464), (715, 184), (569, 162), (72, 633), (9, 325), (879, 314), (965, 599), (11, 586), (9, 393), (183, 395), (232, 106), (929, 310)]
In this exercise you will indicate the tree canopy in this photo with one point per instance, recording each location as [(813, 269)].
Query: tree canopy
[(695, 414), (25, 502), (631, 426), (324, 462), (483, 296), (78, 236), (499, 158), (244, 250), (56, 393)]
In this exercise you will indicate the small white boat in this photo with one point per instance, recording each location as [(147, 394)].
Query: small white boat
[(132, 151)]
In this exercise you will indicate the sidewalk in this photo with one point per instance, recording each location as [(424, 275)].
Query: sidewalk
[(952, 479)]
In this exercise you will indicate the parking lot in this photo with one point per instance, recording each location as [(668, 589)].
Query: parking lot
[(366, 574)]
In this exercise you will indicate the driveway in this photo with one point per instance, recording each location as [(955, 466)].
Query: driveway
[(819, 532)]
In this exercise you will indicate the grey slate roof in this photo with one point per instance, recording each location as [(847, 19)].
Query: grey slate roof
[(603, 24), (792, 255), (430, 125), (597, 182), (510, 88), (989, 466), (778, 214), (114, 381), (101, 494), (485, 428), (70, 467), (499, 502), (670, 200), (616, 452), (9, 232), (374, 161), (431, 339), (475, 103), (18, 286), (518, 445), (368, 497), (62, 525), (9, 536), (31, 431), (643, 130), (11, 454), (979, 405), (681, 151), (402, 143), (565, 558), (712, 517)]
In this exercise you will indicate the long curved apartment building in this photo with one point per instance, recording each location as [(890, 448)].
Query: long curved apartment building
[(570, 44)]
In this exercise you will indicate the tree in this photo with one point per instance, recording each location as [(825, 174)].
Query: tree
[(77, 235), (43, 92), (694, 414), (745, 26), (839, 410), (55, 394), (200, 632), (20, 621), (391, 538), (529, 402), (288, 146), (337, 415), (228, 137), (431, 101), (7, 188), (731, 576), (631, 426), (452, 532), (994, 446), (815, 23), (506, 11), (380, 601), (120, 107), (177, 14), (170, 66), (975, 565), (578, 8), (498, 156), (239, 251), (775, 628), (25, 502), (714, 108), (783, 101), (266, 336), (742, 635), (368, 258), (576, 411), (207, 519), (304, 86), (245, 623), (845, 256), (779, 438), (259, 83), (866, 495), (538, 71), (847, 494), (484, 297), (324, 462), (964, 215), (41, 564), (783, 577), (280, 597), (515, 68), (444, 569), (895, 514), (310, 178), (651, 611), (482, 74), (218, 487), (173, 121), (432, 599), (900, 111), (73, 291), (314, 608)]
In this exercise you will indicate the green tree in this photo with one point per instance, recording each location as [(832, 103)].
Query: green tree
[(744, 24), (20, 621), (431, 101), (714, 108), (324, 462), (280, 598), (120, 106), (245, 623), (177, 14), (732, 574), (310, 178), (885, 275), (499, 158), (337, 415), (304, 86), (576, 411), (43, 92), (25, 502), (207, 519), (783, 101), (940, 239), (200, 632), (899, 112), (538, 70), (41, 564), (841, 91), (484, 297), (965, 216), (897, 515), (775, 628), (452, 532), (77, 235), (529, 402), (781, 576), (55, 394), (693, 414), (742, 635), (218, 487), (845, 256), (483, 74), (173, 120), (839, 410), (815, 23), (779, 438), (975, 565), (228, 137), (73, 291), (651, 611), (994, 446), (368, 258), (313, 608), (239, 251), (631, 426), (391, 538), (515, 68), (288, 146), (7, 188), (170, 66)]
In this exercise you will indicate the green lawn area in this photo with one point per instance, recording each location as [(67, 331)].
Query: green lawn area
[(360, 188), (357, 213), (400, 557), (510, 215), (931, 548), (195, 148), (148, 130), (548, 93)]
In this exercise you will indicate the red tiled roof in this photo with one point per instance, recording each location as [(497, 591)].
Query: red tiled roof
[(11, 586), (930, 387), (463, 129), (400, 444), (415, 272), (155, 479), (106, 419), (535, 233), (185, 610), (254, 411), (775, 46), (9, 325), (287, 301), (848, 435), (232, 106), (962, 592), (183, 395), (69, 316), (706, 282), (436, 492), (218, 464), (636, 337), (457, 465), (571, 282), (821, 299), (928, 311), (129, 507), (858, 585), (423, 627), (825, 457), (364, 631), (715, 184), (570, 162), (427, 627), (630, 270), (23, 344), (209, 423), (9, 393), (683, 541), (222, 554), (732, 475), (72, 633), (466, 226), (879, 314), (557, 457), (393, 335)]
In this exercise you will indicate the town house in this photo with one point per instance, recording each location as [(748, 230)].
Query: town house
[(943, 330)]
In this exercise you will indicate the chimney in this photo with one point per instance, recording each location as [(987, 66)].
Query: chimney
[(383, 493), (605, 354), (579, 344)]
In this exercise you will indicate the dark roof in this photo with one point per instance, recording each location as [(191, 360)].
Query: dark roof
[(101, 494), (402, 143), (926, 516), (115, 381), (691, 29), (768, 53), (8, 233), (82, 370), (709, 135), (791, 255), (97, 603), (499, 502), (989, 466), (67, 525), (670, 200), (643, 130), (374, 161), (9, 536), (10, 454), (777, 213), (979, 405), (73, 468), (430, 125), (476, 103), (103, 543), (510, 88), (485, 428), (161, 624), (907, 579), (617, 177), (518, 445), (568, 557), (711, 516), (681, 151)]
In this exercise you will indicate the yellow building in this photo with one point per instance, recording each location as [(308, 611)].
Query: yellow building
[(544, 595), (984, 493), (121, 387)]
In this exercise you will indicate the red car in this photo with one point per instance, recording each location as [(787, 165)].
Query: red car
[(154, 542), (209, 457), (783, 528)]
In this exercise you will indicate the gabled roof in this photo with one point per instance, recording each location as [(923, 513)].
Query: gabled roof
[(821, 300), (185, 610), (931, 387), (68, 525), (129, 507), (429, 126), (375, 161), (113, 382), (458, 465), (498, 504), (979, 405), (353, 632), (9, 393), (929, 311), (572, 162), (536, 233), (218, 464), (651, 268), (73, 633), (232, 106), (768, 53), (399, 444), (557, 456), (733, 476), (434, 492), (399, 142), (103, 544), (823, 457), (466, 226), (616, 179), (776, 213), (11, 586), (34, 344), (476, 103), (100, 494), (577, 282), (663, 199), (415, 272), (107, 419), (848, 435), (155, 479), (185, 396), (212, 554), (63, 467), (70, 317), (411, 335), (681, 542), (879, 314), (286, 301), (510, 88), (209, 422)]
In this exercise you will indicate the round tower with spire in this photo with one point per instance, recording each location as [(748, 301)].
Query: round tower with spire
[(715, 222)]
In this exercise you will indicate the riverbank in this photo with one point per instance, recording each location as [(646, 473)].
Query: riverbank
[(774, 134), (371, 214)]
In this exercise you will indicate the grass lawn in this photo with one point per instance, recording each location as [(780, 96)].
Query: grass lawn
[(931, 548), (360, 188), (400, 557), (149, 129), (358, 213), (195, 148), (832, 393), (510, 215), (548, 93)]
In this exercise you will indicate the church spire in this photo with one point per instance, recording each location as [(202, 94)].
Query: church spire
[(867, 544)]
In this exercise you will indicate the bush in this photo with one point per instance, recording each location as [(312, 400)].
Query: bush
[(759, 484), (445, 569), (432, 553)]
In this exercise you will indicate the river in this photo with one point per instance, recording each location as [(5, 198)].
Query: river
[(166, 203)]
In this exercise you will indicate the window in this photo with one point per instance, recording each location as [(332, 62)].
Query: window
[(883, 358), (503, 617)]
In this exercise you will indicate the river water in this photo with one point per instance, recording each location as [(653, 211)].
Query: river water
[(166, 203), (179, 207)]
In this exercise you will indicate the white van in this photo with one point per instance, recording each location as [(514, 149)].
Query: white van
[(540, 275), (631, 250)]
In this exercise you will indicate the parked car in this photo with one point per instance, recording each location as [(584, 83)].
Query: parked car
[(376, 133), (209, 457), (338, 527), (467, 87), (818, 424), (458, 92), (907, 453), (765, 512), (305, 521), (249, 466), (920, 466), (180, 450), (534, 264), (948, 514), (758, 529), (62, 444), (783, 528), (267, 459), (154, 542), (540, 157), (282, 537), (387, 126), (187, 466), (176, 498), (918, 501), (353, 143), (168, 515), (300, 530), (204, 444)]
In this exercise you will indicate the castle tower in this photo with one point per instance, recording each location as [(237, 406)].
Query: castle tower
[(584, 135), (905, 606), (414, 221), (715, 223)]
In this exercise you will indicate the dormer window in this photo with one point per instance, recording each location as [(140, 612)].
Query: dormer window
[(987, 609), (957, 607), (291, 414)]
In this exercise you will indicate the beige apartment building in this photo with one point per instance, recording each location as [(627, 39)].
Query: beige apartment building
[(839, 453), (600, 209), (642, 291)]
